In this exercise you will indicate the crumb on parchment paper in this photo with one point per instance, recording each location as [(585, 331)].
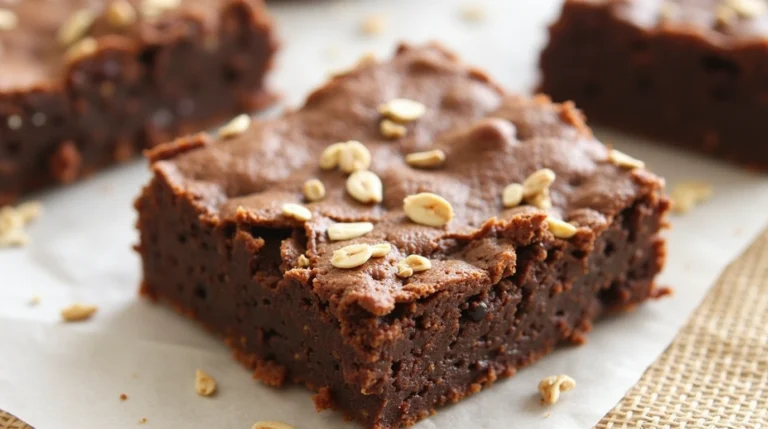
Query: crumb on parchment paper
[(34, 300), (78, 312), (687, 195), (473, 12), (205, 385), (373, 25), (551, 387), (13, 221)]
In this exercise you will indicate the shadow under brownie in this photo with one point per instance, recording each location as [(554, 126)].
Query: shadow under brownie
[(84, 85), (415, 275)]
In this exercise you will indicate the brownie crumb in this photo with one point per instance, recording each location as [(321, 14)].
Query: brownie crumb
[(142, 420), (661, 292), (78, 312), (551, 387), (123, 397), (270, 373), (323, 399), (687, 195)]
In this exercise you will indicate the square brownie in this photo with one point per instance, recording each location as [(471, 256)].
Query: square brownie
[(688, 72), (409, 236), (87, 84)]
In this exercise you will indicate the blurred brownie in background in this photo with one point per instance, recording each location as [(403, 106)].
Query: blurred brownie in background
[(690, 72), (87, 84)]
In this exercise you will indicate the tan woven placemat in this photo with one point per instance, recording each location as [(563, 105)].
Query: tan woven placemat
[(8, 421), (715, 372)]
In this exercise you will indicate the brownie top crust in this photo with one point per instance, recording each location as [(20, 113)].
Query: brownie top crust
[(40, 39), (489, 140), (720, 21)]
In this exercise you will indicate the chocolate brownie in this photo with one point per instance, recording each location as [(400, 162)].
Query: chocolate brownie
[(689, 72), (412, 234), (85, 84)]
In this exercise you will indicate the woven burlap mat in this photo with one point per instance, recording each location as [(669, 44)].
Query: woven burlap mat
[(715, 372), (8, 421)]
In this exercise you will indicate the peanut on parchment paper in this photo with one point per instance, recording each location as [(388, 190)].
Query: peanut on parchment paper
[(205, 385), (551, 387)]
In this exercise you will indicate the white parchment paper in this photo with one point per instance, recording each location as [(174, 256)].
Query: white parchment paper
[(62, 376)]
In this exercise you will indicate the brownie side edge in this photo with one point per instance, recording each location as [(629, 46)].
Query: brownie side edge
[(228, 277), (425, 354)]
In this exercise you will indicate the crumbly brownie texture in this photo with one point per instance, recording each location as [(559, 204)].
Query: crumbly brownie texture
[(85, 84), (393, 337), (690, 72)]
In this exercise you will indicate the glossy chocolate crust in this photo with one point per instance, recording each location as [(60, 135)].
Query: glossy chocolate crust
[(64, 116), (387, 351), (688, 72)]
